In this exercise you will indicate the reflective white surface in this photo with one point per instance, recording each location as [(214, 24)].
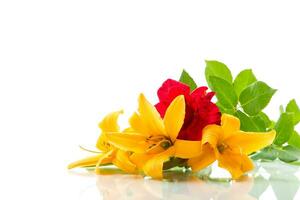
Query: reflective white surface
[(268, 181)]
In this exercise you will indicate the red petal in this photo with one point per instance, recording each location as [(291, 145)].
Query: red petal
[(200, 111), (161, 108), (170, 89), (199, 92)]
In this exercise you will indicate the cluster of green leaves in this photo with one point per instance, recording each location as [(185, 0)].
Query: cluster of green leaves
[(286, 145), (246, 97)]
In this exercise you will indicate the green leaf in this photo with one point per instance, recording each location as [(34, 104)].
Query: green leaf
[(295, 140), (281, 109), (267, 153), (273, 123), (289, 154), (217, 69), (225, 110), (285, 154), (256, 97), (187, 79), (293, 108), (174, 162), (297, 163), (243, 80), (224, 92), (263, 116), (256, 123), (284, 128)]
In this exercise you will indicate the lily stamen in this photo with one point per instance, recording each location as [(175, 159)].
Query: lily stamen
[(221, 147), (88, 150)]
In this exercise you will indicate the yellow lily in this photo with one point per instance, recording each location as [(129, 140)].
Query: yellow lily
[(109, 153), (230, 146), (153, 140)]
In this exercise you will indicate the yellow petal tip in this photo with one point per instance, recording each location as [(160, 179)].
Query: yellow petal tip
[(141, 97), (70, 166)]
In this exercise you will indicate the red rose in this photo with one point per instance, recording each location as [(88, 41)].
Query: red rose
[(200, 111)]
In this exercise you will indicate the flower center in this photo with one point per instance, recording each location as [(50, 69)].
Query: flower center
[(158, 143), (165, 144), (221, 147)]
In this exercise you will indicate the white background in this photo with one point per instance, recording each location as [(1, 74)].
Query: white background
[(65, 64)]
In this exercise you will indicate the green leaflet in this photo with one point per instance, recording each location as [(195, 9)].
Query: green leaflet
[(243, 80), (293, 108), (256, 124), (267, 153), (256, 97), (224, 92), (297, 163), (187, 79), (281, 109), (295, 140), (230, 111), (285, 154), (217, 69), (289, 154), (284, 128), (263, 116)]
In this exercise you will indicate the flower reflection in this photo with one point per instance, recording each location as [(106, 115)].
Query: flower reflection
[(272, 179), (280, 177), (175, 186)]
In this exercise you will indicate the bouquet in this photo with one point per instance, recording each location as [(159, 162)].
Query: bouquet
[(187, 129)]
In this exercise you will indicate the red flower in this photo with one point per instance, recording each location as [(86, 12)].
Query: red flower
[(200, 111)]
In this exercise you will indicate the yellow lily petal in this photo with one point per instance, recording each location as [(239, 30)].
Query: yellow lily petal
[(230, 125), (174, 117), (212, 134), (237, 164), (138, 125), (128, 130), (187, 149), (140, 159), (107, 155), (90, 161), (110, 122), (102, 143), (154, 167), (128, 142), (123, 162), (151, 117), (206, 158), (250, 142)]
